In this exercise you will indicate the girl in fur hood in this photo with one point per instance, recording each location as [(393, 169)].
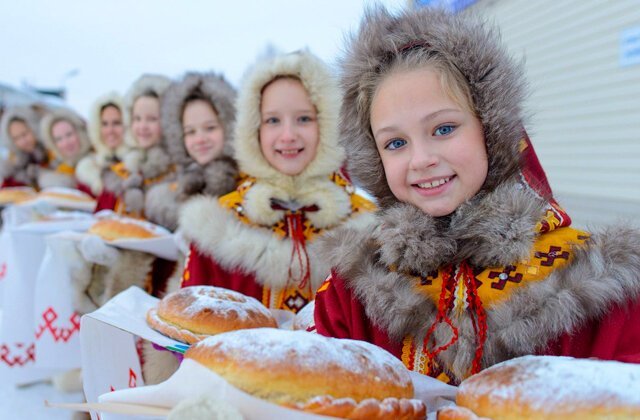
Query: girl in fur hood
[(198, 115), (18, 133), (106, 133), (260, 239), (65, 136), (147, 163), (470, 261)]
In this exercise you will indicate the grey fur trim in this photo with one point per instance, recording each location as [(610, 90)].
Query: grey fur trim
[(492, 229), (216, 178), (133, 200), (111, 181), (496, 82), (219, 93), (48, 178), (497, 228), (24, 167), (157, 162), (604, 273), (161, 205)]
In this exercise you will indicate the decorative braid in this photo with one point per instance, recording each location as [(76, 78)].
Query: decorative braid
[(449, 282), (479, 321), (295, 227)]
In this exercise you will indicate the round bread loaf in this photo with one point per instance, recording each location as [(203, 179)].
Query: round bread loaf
[(193, 313), (12, 195), (112, 229), (67, 195), (549, 387), (298, 369)]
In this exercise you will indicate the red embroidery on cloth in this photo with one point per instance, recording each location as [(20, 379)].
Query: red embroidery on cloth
[(3, 271), (13, 360), (58, 333)]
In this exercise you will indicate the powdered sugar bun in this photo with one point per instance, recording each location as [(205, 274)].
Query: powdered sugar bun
[(293, 368), (193, 313), (554, 388), (113, 229)]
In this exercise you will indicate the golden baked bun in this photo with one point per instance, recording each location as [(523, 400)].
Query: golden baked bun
[(550, 387), (194, 313), (12, 195), (71, 195), (307, 371), (112, 229)]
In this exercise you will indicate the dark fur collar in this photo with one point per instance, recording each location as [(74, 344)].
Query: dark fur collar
[(604, 272)]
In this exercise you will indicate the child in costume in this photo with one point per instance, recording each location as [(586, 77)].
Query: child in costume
[(65, 137), (470, 261), (19, 131), (147, 163), (260, 239), (106, 133), (198, 116)]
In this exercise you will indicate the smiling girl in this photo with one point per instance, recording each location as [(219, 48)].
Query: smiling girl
[(470, 261), (18, 133), (106, 132), (198, 117), (260, 239), (65, 136)]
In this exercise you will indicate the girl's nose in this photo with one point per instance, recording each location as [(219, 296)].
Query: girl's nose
[(288, 133), (422, 156)]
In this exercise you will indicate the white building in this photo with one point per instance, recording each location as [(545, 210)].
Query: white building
[(582, 59)]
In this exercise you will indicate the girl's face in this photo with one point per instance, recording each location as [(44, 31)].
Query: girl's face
[(145, 123), (289, 132), (203, 133), (22, 136), (65, 138), (111, 128), (432, 149)]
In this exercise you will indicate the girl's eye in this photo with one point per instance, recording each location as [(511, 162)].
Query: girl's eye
[(305, 118), (395, 144), (444, 130), (272, 120), (211, 127)]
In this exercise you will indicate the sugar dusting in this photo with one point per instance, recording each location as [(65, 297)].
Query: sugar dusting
[(548, 383), (305, 352), (222, 303)]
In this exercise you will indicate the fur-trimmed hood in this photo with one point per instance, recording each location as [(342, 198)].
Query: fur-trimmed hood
[(24, 113), (146, 84), (496, 82), (89, 169), (104, 153), (218, 176), (76, 121), (18, 165), (324, 94)]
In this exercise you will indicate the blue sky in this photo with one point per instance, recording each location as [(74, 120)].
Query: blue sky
[(91, 47)]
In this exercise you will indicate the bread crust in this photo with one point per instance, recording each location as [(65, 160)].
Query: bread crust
[(12, 195), (306, 371), (193, 313), (113, 229), (550, 387)]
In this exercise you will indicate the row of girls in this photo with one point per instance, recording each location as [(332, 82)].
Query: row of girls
[(466, 261)]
